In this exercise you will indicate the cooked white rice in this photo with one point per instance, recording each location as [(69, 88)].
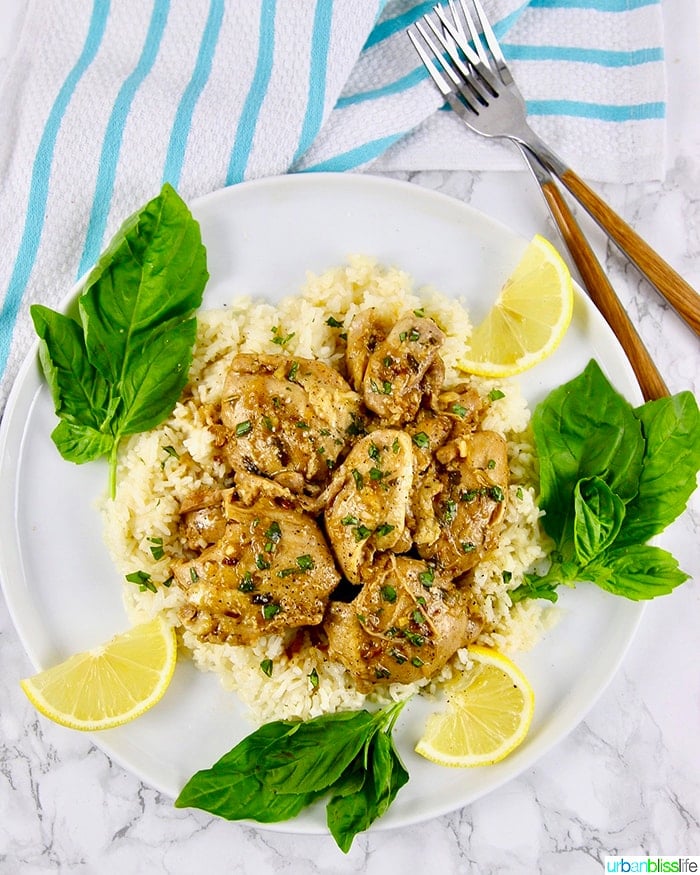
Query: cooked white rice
[(158, 469)]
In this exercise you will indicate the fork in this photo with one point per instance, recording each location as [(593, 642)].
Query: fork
[(480, 88)]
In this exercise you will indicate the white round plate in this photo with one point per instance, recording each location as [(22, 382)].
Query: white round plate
[(262, 237)]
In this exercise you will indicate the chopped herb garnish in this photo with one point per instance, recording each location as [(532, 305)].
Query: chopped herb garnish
[(402, 336), (417, 661), (519, 493), (349, 520), (313, 678), (496, 394), (292, 372), (171, 451), (496, 493), (305, 562), (388, 594), (243, 428), (194, 577), (246, 584), (491, 464), (427, 577), (384, 529), (302, 424), (142, 579), (420, 312), (387, 387), (286, 572), (395, 446), (362, 533), (397, 655), (376, 473), (450, 510), (507, 576), (421, 439), (381, 673), (459, 410), (333, 322), (266, 666), (168, 581), (413, 334), (267, 422), (261, 562), (270, 610), (157, 550), (279, 339), (467, 547), (373, 452), (357, 477), (418, 617)]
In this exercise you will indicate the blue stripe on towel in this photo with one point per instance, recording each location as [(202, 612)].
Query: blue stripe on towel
[(243, 141), (356, 157), (599, 111), (597, 5), (39, 186), (111, 144), (391, 26), (200, 75), (320, 38), (575, 54)]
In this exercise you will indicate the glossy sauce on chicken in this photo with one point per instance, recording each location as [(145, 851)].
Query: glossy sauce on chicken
[(357, 504)]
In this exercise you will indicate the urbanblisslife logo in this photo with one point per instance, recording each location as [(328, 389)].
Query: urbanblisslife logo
[(652, 864)]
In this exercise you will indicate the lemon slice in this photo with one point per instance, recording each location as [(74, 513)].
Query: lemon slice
[(529, 318), (110, 684), (489, 711)]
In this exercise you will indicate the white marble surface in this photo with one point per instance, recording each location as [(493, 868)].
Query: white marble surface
[(627, 780)]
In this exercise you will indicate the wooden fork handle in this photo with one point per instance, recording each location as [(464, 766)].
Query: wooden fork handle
[(679, 294), (603, 295)]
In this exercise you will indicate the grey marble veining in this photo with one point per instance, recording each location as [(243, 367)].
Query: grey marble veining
[(627, 780)]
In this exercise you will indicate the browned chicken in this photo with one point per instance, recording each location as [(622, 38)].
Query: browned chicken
[(288, 419), (203, 517), (368, 500), (467, 491), (399, 369), (270, 571), (367, 329), (404, 625)]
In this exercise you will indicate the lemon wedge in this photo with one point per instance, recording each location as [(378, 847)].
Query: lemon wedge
[(110, 684), (488, 714), (529, 318)]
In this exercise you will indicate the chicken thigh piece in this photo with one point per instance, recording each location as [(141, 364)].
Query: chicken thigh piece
[(287, 419), (369, 499), (468, 510), (269, 572), (403, 626), (399, 370)]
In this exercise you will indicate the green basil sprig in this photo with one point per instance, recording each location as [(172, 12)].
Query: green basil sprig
[(612, 477), (117, 366), (282, 767)]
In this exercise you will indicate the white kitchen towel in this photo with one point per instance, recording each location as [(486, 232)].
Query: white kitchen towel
[(104, 100)]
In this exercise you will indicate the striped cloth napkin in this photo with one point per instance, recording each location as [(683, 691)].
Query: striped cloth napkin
[(101, 102)]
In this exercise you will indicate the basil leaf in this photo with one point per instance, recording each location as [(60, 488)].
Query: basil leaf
[(317, 755), (351, 811), (152, 272), (668, 477), (598, 515), (535, 587), (79, 393), (151, 387), (81, 443), (584, 429), (637, 572), (121, 369)]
